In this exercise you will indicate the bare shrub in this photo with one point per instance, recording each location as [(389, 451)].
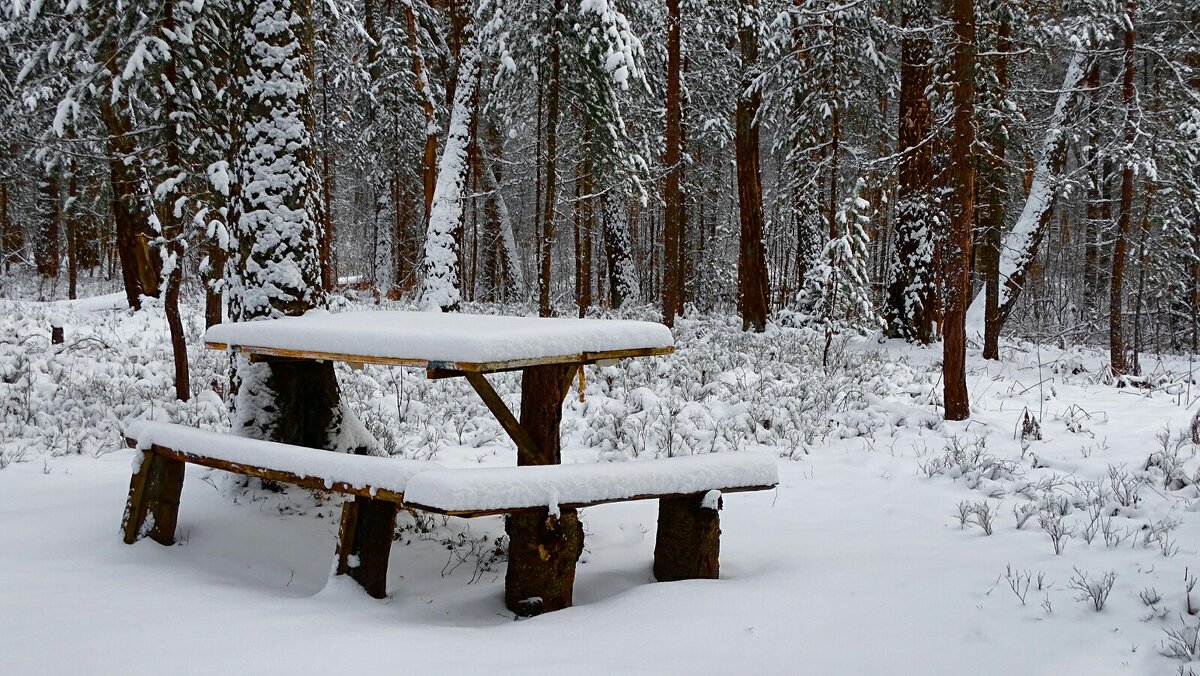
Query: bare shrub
[(1057, 529), (1092, 591), (1183, 643), (1023, 512), (1018, 582), (983, 515)]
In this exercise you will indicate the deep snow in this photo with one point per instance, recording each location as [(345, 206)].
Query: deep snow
[(857, 563)]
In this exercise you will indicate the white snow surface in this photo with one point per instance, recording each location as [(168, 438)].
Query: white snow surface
[(359, 471), (488, 488), (442, 337)]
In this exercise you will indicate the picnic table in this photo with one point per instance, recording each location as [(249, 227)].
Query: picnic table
[(539, 498), (548, 352)]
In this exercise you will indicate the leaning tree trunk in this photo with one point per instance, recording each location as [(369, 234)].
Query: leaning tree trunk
[(441, 287), (510, 260), (141, 270), (752, 266), (1116, 332), (1021, 244), (958, 244)]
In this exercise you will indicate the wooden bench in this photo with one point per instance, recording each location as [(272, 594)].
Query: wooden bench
[(368, 521), (545, 499)]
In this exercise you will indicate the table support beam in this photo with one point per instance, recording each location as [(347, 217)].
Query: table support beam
[(525, 443)]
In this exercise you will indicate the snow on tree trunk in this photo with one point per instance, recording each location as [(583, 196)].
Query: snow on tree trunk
[(622, 274), (275, 269), (1020, 245), (274, 266), (440, 289)]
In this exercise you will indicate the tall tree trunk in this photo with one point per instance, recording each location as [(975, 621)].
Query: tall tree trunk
[(584, 226), (552, 101), (11, 235), (275, 270), (1096, 195), (140, 268), (1116, 335), (70, 219), (673, 162), (429, 153), (622, 271), (912, 299), (49, 216), (995, 189), (509, 257), (752, 266), (958, 244)]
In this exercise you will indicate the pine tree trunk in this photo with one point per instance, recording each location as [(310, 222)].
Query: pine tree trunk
[(1095, 197), (584, 225), (912, 302), (752, 271), (552, 113), (429, 153), (49, 215), (71, 217), (288, 400), (994, 187), (958, 244), (140, 268), (673, 163), (1116, 335)]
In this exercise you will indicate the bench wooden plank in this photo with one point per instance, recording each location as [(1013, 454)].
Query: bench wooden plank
[(502, 490), (260, 472), (474, 513), (366, 476)]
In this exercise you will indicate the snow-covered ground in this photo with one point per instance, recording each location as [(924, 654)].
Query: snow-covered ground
[(857, 563)]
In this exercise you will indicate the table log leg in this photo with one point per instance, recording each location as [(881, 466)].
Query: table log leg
[(542, 549), (153, 504), (365, 542), (689, 539), (542, 554)]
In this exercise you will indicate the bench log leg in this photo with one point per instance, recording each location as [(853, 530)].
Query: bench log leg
[(153, 504), (542, 553), (368, 527), (689, 539)]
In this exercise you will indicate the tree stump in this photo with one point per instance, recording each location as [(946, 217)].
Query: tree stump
[(542, 553), (365, 542), (688, 545), (56, 334), (153, 505)]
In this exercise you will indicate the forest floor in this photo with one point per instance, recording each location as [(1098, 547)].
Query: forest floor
[(858, 563)]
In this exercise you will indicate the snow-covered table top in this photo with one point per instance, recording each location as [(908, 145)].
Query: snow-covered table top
[(443, 341)]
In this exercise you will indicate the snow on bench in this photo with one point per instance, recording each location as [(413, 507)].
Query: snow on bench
[(499, 490), (368, 521), (341, 472), (436, 339)]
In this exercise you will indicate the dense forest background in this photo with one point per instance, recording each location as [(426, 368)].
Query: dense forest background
[(940, 170)]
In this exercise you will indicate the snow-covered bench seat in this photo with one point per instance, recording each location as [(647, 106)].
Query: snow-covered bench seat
[(368, 521), (544, 498)]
